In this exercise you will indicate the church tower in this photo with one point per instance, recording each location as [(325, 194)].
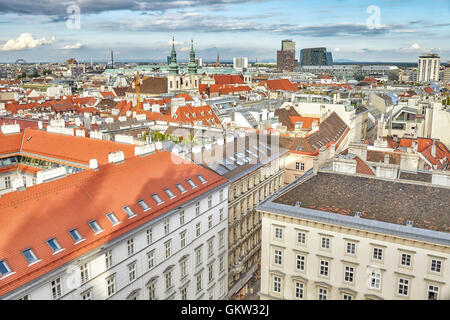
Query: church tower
[(173, 66), (192, 66)]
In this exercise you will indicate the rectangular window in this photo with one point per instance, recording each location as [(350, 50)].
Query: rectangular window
[(166, 226), (202, 180), (184, 293), (30, 256), (110, 286), (191, 183), (377, 254), (221, 264), (112, 218), (403, 286), (76, 236), (108, 259), (54, 245), (350, 248), (221, 214), (221, 195), (169, 193), (210, 272), (151, 259), (199, 282), (406, 260), (95, 226), (209, 201), (278, 233), (300, 259), (198, 256), (210, 222), (324, 268), (144, 205), (151, 291), (168, 247), (183, 239), (197, 229), (7, 182), (4, 268), (157, 199), (56, 289), (149, 236), (322, 294), (302, 166), (210, 247), (130, 246), (277, 257), (347, 297), (221, 238), (301, 237), (197, 208), (277, 284), (433, 292), (325, 243), (436, 265), (181, 218), (297, 166), (349, 274), (183, 268), (132, 272), (181, 188), (86, 295), (84, 271), (375, 280), (299, 290), (129, 212)]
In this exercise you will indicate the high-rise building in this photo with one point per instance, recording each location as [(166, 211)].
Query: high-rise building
[(315, 57), (288, 45), (428, 67), (447, 73), (240, 63), (286, 56)]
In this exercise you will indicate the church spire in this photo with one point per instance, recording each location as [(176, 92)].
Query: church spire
[(192, 66), (173, 66)]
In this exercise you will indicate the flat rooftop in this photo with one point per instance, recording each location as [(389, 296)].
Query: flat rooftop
[(380, 200)]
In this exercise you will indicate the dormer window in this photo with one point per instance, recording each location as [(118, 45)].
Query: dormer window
[(191, 183), (95, 226), (181, 188), (202, 180), (4, 268), (112, 218), (157, 199), (76, 235), (129, 212), (143, 205), (30, 256), (54, 245), (169, 193)]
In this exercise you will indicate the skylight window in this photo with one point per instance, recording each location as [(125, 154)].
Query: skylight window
[(191, 183), (181, 188), (157, 199), (129, 212), (54, 245), (169, 193), (144, 205), (30, 256), (112, 218), (76, 235), (95, 226), (202, 180), (4, 268)]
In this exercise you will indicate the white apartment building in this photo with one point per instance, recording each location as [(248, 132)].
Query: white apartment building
[(428, 68), (337, 236), (167, 239)]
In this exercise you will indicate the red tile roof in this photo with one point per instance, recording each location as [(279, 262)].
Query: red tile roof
[(228, 79), (31, 217), (362, 167), (307, 121), (280, 85)]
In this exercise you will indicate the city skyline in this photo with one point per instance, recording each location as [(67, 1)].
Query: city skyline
[(381, 31)]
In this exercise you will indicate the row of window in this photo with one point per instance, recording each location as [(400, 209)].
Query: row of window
[(350, 249), (403, 288), (54, 245)]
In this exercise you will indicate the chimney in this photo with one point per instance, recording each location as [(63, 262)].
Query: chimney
[(116, 157), (93, 164)]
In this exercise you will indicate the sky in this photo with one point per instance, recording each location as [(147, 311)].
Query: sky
[(142, 30)]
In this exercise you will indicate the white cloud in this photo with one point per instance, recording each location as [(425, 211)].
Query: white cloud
[(337, 49), (77, 45), (25, 41)]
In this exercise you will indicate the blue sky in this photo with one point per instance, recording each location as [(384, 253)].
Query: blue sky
[(142, 30)]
